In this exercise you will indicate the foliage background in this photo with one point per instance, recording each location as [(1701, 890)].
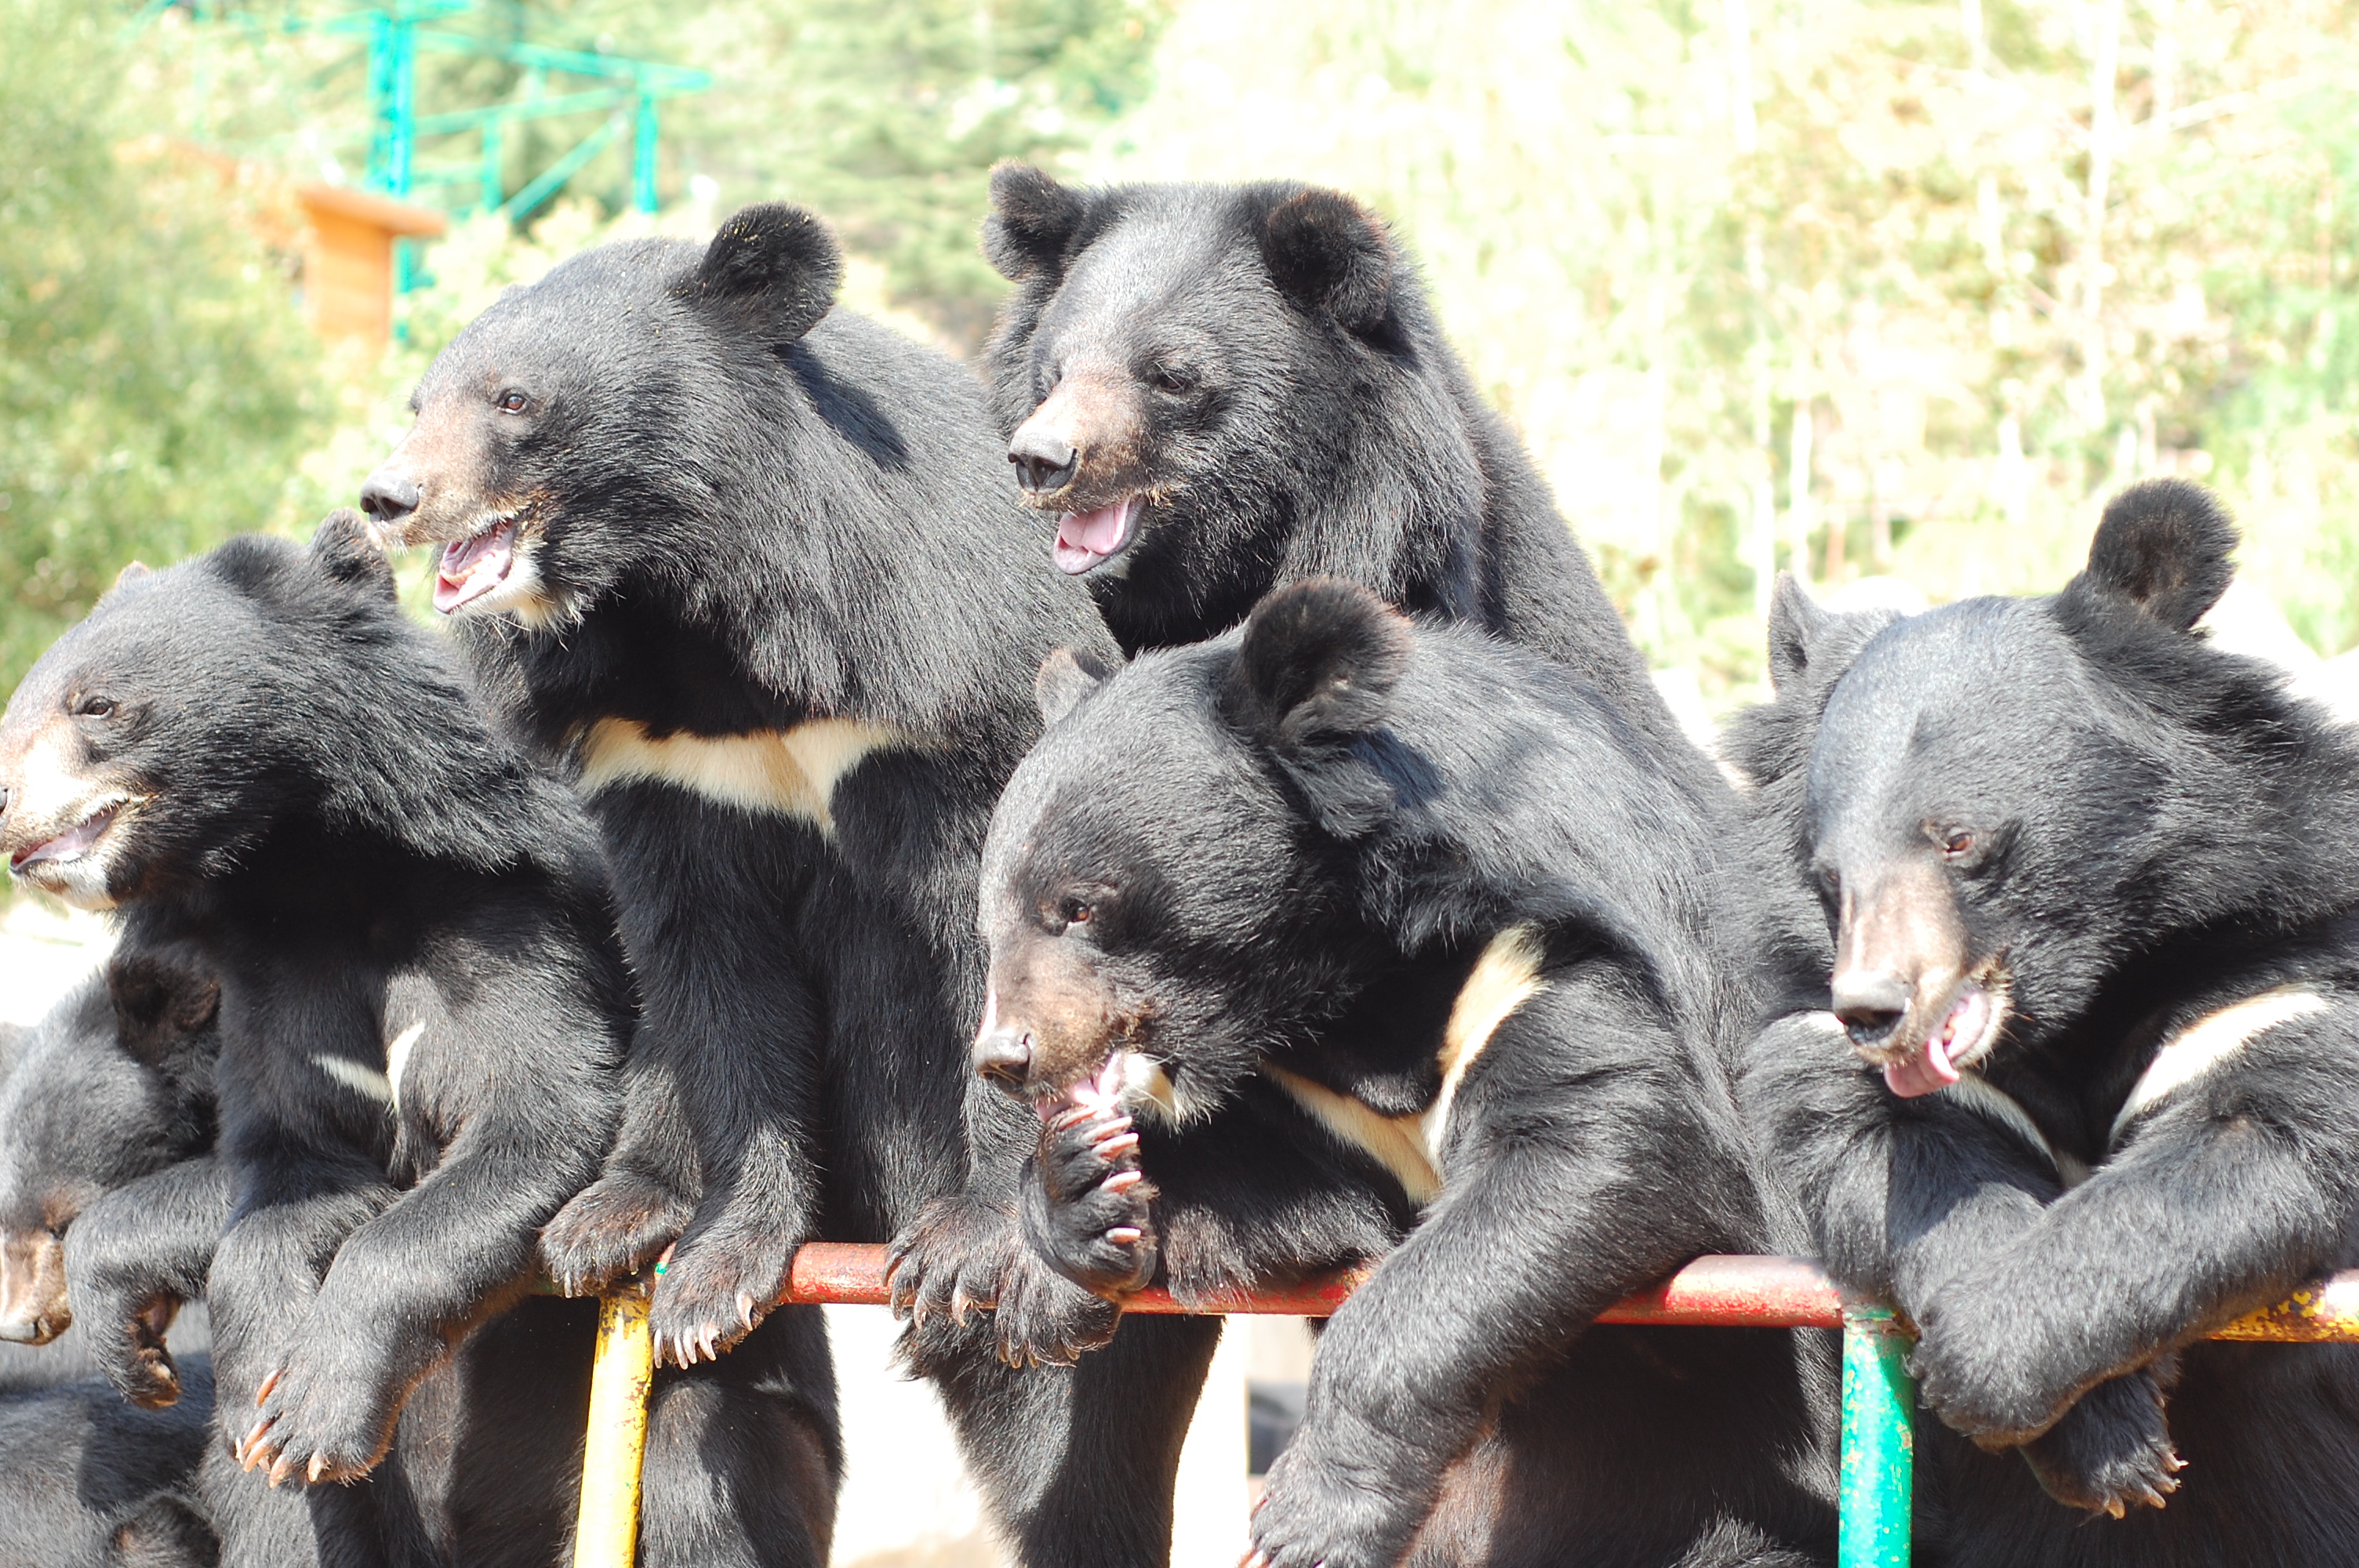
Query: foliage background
[(1856, 287)]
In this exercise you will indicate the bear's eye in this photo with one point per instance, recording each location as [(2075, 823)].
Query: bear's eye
[(95, 706), (1172, 379), (512, 402), (1957, 843), (1075, 911)]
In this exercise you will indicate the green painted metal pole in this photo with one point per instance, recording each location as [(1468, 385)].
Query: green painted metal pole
[(1879, 1443), (643, 155)]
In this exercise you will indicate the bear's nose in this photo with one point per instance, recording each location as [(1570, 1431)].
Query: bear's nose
[(388, 495), (1004, 1056), (1044, 460), (1871, 1003)]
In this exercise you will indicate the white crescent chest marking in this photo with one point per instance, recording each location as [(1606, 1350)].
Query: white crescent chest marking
[(785, 773), (2211, 1040), (1986, 1099), (364, 1081), (382, 1087), (1506, 977), (397, 1058)]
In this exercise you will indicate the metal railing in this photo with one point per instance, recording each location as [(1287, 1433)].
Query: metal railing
[(1879, 1442)]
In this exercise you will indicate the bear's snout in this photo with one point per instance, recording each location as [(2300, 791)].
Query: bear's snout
[(1084, 446), (1044, 460), (33, 1287), (1003, 1055), (388, 495), (1871, 1003)]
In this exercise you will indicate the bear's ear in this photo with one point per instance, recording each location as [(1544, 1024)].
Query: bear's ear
[(157, 1002), (1032, 218), (774, 267), (132, 572), (2162, 550), (1315, 671), (347, 550), (1326, 252), (1796, 623), (1066, 677)]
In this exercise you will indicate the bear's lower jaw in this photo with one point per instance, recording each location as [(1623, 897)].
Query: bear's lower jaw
[(1963, 1037), (69, 866), (474, 566), (1087, 540)]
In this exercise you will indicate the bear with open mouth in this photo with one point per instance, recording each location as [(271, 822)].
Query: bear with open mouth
[(253, 756), (2087, 1091), (1308, 948), (1216, 390), (746, 568)]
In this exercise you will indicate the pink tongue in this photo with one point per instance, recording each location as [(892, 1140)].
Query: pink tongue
[(1086, 538), (1922, 1074), (473, 567)]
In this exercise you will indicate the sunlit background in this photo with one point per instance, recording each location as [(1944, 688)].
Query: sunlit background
[(1860, 290)]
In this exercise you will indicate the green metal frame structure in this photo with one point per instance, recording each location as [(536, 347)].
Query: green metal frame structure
[(625, 92)]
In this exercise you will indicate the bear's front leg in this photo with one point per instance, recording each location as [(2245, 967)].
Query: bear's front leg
[(2112, 1451), (965, 1269), (2201, 1219), (1575, 1171), (1090, 1214), (133, 1257), (643, 1198)]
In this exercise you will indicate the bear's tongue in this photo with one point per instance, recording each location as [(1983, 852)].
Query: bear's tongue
[(1086, 538), (473, 567), (1930, 1069)]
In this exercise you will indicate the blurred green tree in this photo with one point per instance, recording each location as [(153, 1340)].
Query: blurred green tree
[(155, 388)]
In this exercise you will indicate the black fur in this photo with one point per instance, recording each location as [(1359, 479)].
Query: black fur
[(1281, 857), (114, 1090), (738, 531), (2115, 830), (1261, 363), (87, 1481), (318, 811)]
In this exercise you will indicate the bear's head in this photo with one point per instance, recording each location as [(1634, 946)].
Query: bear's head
[(1169, 888), (162, 738), (578, 407), (115, 1082), (2009, 798), (1176, 358)]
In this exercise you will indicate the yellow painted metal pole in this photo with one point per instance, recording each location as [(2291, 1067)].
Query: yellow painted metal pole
[(606, 1534), (2325, 1311)]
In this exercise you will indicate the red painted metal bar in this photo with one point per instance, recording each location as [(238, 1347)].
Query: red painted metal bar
[(1724, 1291), (1710, 1293)]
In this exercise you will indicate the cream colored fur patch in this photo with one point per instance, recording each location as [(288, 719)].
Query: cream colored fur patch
[(786, 772), (362, 1081), (397, 1059), (1506, 976), (1989, 1101), (2209, 1041)]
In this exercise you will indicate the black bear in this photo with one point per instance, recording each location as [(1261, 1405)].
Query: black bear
[(745, 565), (1303, 945), (2099, 974), (1221, 389), (108, 1094), (114, 1082), (87, 1481), (109, 1108), (422, 1002)]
